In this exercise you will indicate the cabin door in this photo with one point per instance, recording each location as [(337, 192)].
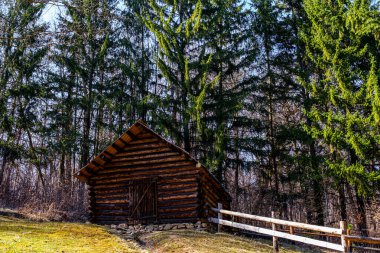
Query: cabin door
[(143, 200)]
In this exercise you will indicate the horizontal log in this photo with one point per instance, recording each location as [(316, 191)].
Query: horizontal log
[(157, 144), (207, 178), (112, 201), (111, 213), (118, 206), (144, 135), (146, 169), (210, 194), (178, 187), (175, 206), (144, 156), (279, 234), (293, 224), (117, 169), (178, 184), (124, 195), (167, 179), (210, 202), (177, 196), (177, 179), (145, 162), (177, 191), (98, 187), (144, 175), (178, 209), (143, 152), (210, 197), (143, 140), (115, 190), (175, 202)]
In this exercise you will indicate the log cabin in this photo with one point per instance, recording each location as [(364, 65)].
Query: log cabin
[(141, 178)]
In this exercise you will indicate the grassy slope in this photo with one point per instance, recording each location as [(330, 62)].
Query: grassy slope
[(19, 235), (203, 242)]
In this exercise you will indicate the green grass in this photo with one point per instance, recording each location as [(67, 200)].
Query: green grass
[(18, 235)]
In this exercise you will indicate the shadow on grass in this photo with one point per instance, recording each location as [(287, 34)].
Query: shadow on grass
[(11, 214)]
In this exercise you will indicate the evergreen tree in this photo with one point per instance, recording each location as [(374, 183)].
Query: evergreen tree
[(133, 85), (229, 38), (22, 50), (184, 62), (275, 93), (343, 43), (304, 160), (83, 53)]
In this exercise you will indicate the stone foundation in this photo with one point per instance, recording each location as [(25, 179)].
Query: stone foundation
[(132, 230)]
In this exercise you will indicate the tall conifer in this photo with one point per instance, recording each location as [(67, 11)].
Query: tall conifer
[(343, 43)]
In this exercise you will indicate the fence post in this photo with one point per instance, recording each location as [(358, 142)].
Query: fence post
[(349, 243), (343, 226), (291, 230), (275, 239), (220, 206)]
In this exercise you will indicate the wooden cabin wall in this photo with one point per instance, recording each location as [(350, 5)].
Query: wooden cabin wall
[(212, 194), (146, 157)]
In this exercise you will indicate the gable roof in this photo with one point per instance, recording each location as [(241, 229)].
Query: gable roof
[(119, 144)]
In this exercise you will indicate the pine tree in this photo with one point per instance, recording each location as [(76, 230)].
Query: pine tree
[(305, 164), (184, 62), (83, 53), (133, 56), (22, 50), (343, 42), (272, 96), (229, 39)]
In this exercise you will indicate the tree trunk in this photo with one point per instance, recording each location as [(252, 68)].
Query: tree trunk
[(317, 186), (342, 201)]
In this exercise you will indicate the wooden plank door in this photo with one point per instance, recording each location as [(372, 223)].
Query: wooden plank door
[(143, 200)]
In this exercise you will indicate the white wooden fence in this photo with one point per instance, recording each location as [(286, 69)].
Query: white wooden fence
[(342, 232)]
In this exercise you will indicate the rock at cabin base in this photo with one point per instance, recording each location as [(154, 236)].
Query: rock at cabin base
[(122, 225), (181, 226), (129, 232)]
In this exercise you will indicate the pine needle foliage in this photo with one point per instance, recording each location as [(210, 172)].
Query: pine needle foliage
[(343, 43)]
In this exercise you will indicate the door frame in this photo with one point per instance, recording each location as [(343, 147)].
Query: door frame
[(152, 184)]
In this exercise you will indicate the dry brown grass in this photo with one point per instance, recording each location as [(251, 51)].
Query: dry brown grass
[(186, 241)]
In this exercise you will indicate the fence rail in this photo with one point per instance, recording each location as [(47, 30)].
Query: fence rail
[(346, 240)]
